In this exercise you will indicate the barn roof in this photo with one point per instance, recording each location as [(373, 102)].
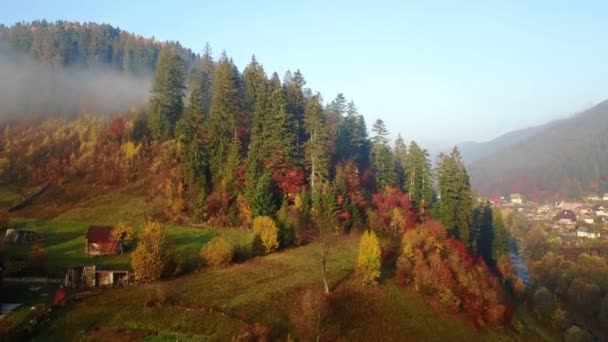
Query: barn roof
[(97, 234)]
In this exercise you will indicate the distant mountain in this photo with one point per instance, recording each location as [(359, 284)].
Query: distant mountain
[(473, 151), (564, 158)]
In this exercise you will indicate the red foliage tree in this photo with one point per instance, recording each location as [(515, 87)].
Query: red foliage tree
[(117, 127), (291, 181), (394, 210)]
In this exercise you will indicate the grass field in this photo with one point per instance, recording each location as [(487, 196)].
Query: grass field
[(215, 305), (64, 243)]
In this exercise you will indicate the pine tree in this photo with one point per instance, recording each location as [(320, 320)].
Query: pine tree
[(224, 115), (456, 196), (207, 71), (400, 161), (316, 146), (256, 96), (264, 202), (293, 86), (166, 104), (383, 163), (500, 245), (418, 177)]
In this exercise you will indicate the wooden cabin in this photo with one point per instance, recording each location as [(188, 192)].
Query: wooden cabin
[(100, 241)]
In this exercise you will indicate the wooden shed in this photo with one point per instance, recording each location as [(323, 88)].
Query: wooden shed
[(100, 241)]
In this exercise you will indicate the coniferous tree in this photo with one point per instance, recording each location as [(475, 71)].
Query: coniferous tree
[(456, 197), (383, 163), (224, 115), (256, 96), (500, 245), (166, 104), (264, 202), (206, 71), (418, 177), (293, 85), (400, 161), (316, 146)]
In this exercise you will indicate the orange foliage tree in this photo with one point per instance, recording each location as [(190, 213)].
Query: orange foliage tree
[(442, 270)]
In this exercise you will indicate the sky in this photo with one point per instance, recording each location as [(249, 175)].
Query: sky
[(438, 72)]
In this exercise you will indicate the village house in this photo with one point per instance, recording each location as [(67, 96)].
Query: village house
[(586, 233), (568, 205), (599, 210), (100, 241), (517, 199), (584, 209), (605, 198), (593, 198)]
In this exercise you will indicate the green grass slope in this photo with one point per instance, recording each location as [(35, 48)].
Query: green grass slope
[(215, 305)]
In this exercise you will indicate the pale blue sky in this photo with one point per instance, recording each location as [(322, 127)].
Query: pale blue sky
[(435, 71)]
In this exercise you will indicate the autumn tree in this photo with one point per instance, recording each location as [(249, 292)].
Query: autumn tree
[(267, 230), (368, 261), (123, 235), (154, 258)]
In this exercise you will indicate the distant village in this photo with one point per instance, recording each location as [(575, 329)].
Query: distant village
[(572, 224)]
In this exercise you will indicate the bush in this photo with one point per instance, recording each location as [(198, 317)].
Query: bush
[(123, 235), (368, 261), (154, 258), (442, 270), (217, 253), (265, 227)]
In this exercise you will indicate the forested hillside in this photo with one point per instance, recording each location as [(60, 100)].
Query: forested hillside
[(222, 147), (63, 44), (474, 151), (565, 158)]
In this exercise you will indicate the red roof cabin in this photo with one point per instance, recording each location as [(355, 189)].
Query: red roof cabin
[(100, 242)]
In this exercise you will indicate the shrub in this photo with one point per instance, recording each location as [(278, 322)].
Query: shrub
[(123, 235), (154, 258), (368, 261), (441, 269), (217, 253), (265, 227)]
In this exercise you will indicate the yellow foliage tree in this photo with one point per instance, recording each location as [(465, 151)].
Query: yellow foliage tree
[(368, 261), (123, 234), (217, 253), (154, 257), (265, 227)]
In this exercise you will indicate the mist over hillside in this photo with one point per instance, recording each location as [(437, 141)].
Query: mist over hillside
[(32, 88)]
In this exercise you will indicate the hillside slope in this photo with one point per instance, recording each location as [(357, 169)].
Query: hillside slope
[(473, 151), (564, 158)]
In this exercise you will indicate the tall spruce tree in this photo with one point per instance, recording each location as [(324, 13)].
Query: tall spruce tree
[(352, 141), (383, 162), (293, 85), (225, 112), (456, 197), (418, 176), (206, 72), (316, 147), (400, 160), (501, 242), (167, 103)]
